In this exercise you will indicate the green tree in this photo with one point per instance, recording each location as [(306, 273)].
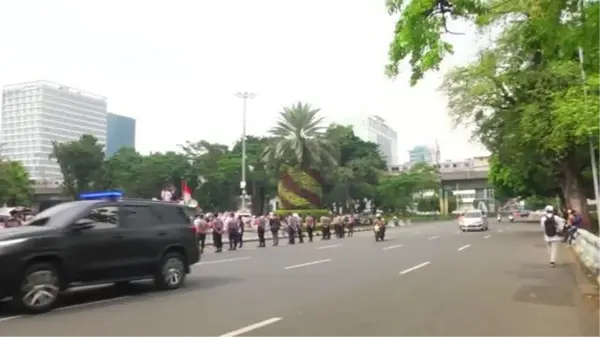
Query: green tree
[(81, 164), (397, 192), (524, 95), (356, 177), (261, 178), (300, 151), (15, 186), (428, 204)]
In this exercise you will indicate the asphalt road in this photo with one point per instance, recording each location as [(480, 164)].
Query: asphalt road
[(426, 279)]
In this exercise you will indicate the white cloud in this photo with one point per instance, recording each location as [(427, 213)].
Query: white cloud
[(175, 65)]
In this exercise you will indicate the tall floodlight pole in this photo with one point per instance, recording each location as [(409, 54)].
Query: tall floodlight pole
[(245, 96), (439, 172), (592, 150)]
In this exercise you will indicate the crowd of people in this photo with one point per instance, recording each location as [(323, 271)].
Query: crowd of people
[(292, 226), (16, 217)]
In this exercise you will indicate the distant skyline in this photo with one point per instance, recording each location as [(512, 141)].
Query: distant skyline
[(176, 68)]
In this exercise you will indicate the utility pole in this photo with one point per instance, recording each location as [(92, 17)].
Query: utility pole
[(245, 96)]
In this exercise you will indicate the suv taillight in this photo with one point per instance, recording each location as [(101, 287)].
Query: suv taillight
[(194, 229)]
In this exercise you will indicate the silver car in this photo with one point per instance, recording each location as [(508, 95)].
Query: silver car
[(473, 221)]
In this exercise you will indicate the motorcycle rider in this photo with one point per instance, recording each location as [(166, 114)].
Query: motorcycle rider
[(326, 227), (379, 228)]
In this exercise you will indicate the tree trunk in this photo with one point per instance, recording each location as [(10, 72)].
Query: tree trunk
[(574, 194)]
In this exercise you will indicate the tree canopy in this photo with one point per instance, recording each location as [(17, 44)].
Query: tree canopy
[(15, 186), (524, 95), (213, 172)]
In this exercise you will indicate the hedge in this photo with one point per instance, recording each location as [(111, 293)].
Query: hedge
[(315, 213)]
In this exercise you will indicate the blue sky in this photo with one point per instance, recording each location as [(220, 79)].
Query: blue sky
[(175, 65)]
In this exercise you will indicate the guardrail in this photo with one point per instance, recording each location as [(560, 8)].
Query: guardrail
[(587, 247)]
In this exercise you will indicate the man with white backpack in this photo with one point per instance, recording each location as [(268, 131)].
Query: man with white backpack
[(552, 225)]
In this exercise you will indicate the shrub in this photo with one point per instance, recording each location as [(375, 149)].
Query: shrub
[(315, 213)]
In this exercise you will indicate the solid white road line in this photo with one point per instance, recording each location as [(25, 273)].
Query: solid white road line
[(330, 246), (4, 319), (500, 231), (251, 327), (433, 237), (81, 305), (406, 271), (463, 247), (307, 264), (225, 260), (74, 306), (487, 236), (391, 247)]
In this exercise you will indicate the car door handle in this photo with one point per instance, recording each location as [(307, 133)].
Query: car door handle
[(162, 233), (118, 236)]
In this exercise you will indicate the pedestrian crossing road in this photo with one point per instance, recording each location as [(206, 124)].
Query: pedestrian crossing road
[(426, 279)]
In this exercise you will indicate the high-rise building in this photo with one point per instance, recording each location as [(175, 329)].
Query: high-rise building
[(35, 114), (120, 133), (422, 154), (374, 129)]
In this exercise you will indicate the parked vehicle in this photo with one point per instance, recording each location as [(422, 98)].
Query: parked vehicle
[(95, 241)]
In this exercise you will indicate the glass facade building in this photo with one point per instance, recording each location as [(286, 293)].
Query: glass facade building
[(35, 114), (375, 129), (422, 154), (120, 133)]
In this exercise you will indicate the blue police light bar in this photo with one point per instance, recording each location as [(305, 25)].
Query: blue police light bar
[(101, 195)]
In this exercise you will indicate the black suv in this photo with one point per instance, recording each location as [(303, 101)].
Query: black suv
[(96, 241)]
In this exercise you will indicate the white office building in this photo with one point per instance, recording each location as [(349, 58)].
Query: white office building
[(37, 113), (374, 129)]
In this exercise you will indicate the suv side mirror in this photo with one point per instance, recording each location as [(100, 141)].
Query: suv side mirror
[(83, 224)]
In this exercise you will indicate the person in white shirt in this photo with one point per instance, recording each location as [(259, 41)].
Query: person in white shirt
[(552, 225)]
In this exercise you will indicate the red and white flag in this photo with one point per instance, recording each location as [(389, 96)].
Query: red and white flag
[(186, 193)]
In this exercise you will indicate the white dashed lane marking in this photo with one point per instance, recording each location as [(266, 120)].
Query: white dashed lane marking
[(463, 247)]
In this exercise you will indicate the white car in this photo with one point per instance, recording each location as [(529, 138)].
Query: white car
[(473, 221)]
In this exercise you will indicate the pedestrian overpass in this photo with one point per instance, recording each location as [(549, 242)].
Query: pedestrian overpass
[(467, 179)]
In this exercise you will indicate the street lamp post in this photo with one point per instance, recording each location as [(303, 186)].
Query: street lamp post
[(245, 96)]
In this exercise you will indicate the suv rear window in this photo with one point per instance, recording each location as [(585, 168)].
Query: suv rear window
[(175, 215)]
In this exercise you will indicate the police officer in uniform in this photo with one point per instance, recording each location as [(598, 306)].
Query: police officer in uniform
[(291, 222), (326, 227), (202, 226), (275, 226), (217, 225), (261, 223), (310, 226), (351, 223), (336, 225), (299, 228)]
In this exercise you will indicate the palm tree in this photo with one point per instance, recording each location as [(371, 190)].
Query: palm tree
[(299, 150), (299, 139)]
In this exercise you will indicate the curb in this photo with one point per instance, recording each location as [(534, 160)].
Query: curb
[(584, 280)]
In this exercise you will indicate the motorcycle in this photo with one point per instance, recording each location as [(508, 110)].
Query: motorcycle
[(379, 231), (511, 218), (499, 218)]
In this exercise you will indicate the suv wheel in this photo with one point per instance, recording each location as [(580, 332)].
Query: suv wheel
[(39, 289), (171, 274)]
